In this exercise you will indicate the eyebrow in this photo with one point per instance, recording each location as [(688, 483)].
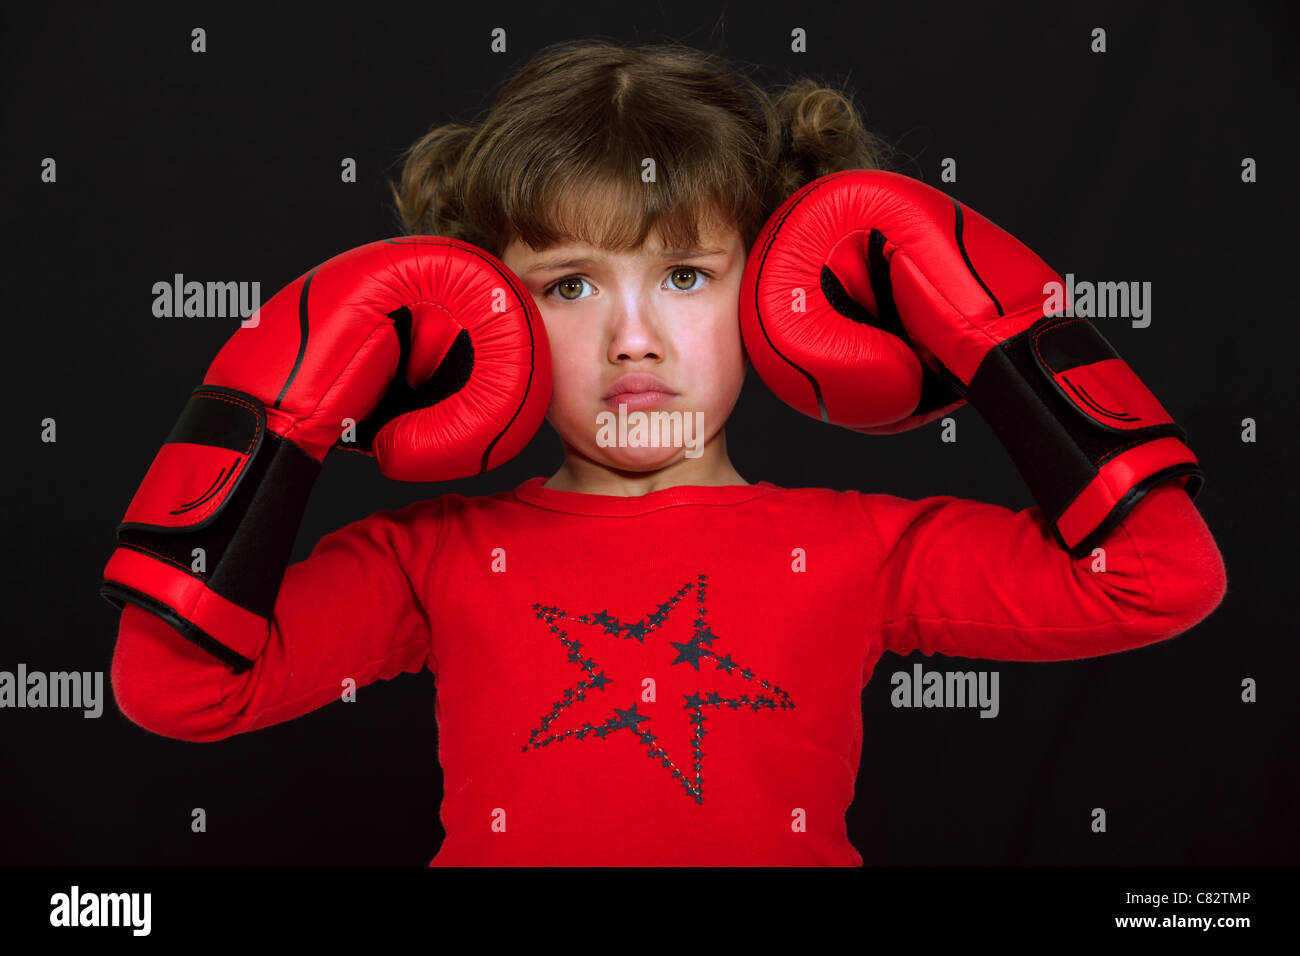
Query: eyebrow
[(579, 262)]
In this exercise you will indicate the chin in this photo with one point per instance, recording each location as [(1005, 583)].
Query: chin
[(640, 459)]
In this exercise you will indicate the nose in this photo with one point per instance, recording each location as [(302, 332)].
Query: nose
[(635, 331)]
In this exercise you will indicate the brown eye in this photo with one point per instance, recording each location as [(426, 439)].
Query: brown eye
[(572, 284), (690, 275)]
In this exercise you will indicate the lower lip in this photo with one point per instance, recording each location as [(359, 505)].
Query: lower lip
[(636, 400)]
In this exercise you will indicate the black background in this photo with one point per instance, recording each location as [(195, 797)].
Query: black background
[(225, 165)]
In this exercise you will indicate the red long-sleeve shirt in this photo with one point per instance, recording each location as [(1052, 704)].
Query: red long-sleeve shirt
[(673, 678)]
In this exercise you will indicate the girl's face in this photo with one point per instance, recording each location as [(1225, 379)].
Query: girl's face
[(667, 314)]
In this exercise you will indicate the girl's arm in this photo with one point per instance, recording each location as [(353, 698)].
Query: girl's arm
[(348, 611), (970, 579)]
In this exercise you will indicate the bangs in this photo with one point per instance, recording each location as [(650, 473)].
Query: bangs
[(621, 213)]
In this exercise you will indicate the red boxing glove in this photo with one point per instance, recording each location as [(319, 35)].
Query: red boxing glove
[(914, 304), (425, 352)]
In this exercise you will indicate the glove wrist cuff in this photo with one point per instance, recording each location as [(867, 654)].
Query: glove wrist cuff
[(1086, 435), (207, 537)]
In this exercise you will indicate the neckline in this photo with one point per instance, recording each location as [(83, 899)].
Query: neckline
[(575, 502)]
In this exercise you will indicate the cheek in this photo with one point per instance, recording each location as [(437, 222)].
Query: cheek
[(726, 348), (715, 360), (571, 377)]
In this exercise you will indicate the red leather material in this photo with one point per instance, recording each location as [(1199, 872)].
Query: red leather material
[(1114, 480), (185, 485), (1110, 394), (868, 376), (191, 599), (798, 343), (324, 349), (188, 482)]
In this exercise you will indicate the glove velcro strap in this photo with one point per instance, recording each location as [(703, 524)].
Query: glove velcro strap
[(201, 464), (207, 537), (1086, 435)]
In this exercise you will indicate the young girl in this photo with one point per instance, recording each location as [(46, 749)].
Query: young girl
[(645, 658)]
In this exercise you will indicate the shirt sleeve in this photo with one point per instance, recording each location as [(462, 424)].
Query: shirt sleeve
[(969, 579), (349, 610)]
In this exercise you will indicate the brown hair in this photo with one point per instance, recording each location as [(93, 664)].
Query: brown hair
[(579, 119)]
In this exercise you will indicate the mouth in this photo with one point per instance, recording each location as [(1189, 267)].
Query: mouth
[(637, 400), (638, 391)]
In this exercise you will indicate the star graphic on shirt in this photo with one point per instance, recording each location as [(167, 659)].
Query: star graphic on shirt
[(692, 652)]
